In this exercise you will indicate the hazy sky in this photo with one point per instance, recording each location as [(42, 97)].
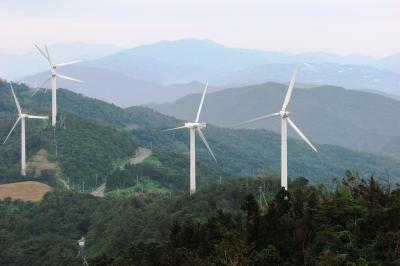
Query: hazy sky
[(340, 26)]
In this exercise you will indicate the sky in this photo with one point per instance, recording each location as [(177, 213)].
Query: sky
[(338, 26)]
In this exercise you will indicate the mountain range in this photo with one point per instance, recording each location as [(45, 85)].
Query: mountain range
[(147, 69), (358, 120), (88, 126)]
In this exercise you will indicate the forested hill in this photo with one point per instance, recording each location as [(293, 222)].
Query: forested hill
[(227, 224), (326, 114), (91, 145), (239, 152), (82, 151)]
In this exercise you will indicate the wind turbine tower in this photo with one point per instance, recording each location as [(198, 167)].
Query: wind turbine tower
[(21, 117), (194, 127), (285, 120)]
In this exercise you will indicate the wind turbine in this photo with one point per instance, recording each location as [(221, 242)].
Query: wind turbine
[(193, 127), (53, 77), (284, 114), (21, 117)]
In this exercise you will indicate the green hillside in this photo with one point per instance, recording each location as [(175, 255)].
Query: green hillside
[(330, 115), (92, 146), (257, 152), (239, 152), (356, 224), (84, 150)]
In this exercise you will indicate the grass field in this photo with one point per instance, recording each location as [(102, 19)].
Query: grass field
[(26, 191)]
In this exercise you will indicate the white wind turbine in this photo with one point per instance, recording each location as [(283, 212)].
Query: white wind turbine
[(193, 127), (53, 78), (284, 114), (21, 117)]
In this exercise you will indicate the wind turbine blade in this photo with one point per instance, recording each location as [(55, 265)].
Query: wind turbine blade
[(37, 117), (41, 86), (290, 89), (48, 54), (68, 63), (69, 78), (16, 100), (43, 53), (12, 129), (301, 134), (44, 82), (35, 90), (201, 104), (263, 117), (175, 128), (206, 143)]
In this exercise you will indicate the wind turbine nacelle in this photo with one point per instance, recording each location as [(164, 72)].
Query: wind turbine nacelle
[(200, 125), (284, 114)]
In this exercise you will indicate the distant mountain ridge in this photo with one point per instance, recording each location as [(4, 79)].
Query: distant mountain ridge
[(190, 60), (118, 88), (15, 66), (210, 53)]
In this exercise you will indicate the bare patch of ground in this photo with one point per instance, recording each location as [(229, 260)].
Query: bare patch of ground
[(26, 191), (39, 162), (140, 155)]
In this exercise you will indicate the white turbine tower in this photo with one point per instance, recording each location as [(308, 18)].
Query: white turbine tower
[(284, 114), (21, 117), (193, 127), (53, 78)]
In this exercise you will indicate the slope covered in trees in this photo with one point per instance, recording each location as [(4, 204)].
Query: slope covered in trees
[(91, 144), (82, 150), (357, 223), (353, 119), (239, 152)]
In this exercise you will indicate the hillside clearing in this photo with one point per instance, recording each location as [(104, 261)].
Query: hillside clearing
[(26, 191), (39, 163), (140, 155)]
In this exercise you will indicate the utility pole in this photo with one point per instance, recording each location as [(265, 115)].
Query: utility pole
[(96, 179)]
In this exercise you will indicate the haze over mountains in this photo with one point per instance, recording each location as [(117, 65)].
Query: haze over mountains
[(15, 66), (332, 115), (147, 69)]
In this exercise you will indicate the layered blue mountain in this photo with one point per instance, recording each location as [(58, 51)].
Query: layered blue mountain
[(139, 75)]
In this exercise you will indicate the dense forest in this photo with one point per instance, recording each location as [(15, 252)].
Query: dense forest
[(231, 223), (239, 216)]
